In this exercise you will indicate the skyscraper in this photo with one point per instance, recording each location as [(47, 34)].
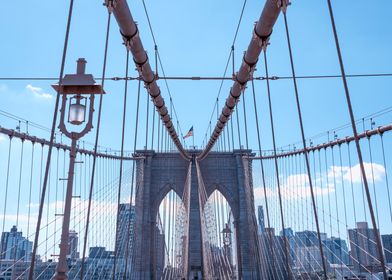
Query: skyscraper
[(73, 253), (363, 246), (14, 246), (307, 250), (387, 243), (126, 216), (260, 219), (336, 251)]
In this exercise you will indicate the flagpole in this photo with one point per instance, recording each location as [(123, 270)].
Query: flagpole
[(193, 139)]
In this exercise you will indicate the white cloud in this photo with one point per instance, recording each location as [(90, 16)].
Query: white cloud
[(296, 186), (2, 138), (378, 172), (38, 92)]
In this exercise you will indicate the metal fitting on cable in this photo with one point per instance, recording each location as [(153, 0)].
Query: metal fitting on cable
[(128, 40), (283, 4), (263, 40), (110, 4)]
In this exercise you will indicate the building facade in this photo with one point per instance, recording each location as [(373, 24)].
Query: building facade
[(14, 246)]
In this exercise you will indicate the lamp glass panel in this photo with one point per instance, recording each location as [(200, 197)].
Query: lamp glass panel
[(76, 113)]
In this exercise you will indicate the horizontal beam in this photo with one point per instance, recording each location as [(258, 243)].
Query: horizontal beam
[(368, 133), (201, 78)]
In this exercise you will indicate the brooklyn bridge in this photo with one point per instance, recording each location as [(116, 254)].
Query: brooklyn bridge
[(113, 168)]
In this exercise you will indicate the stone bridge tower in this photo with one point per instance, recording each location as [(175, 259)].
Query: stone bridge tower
[(228, 172)]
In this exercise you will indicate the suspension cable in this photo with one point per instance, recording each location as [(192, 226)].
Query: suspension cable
[(121, 165), (95, 145), (132, 188), (358, 147), (52, 135), (386, 174), (264, 185), (276, 165)]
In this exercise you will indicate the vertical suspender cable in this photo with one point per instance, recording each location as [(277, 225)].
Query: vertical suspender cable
[(304, 145), (246, 125), (271, 239), (52, 135), (373, 183), (386, 175), (6, 188), (358, 147), (147, 120), (121, 164), (153, 128), (232, 132), (95, 146), (132, 189), (287, 254), (19, 184), (159, 136), (238, 126), (30, 188)]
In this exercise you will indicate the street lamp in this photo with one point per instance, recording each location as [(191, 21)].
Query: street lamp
[(79, 86), (226, 237)]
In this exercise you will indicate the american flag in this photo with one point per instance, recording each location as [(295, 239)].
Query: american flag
[(189, 134)]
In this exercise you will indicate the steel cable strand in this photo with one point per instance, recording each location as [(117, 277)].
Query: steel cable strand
[(121, 162), (96, 142), (276, 163), (6, 191), (386, 174), (373, 183), (304, 143), (263, 180), (52, 135), (326, 248), (359, 152), (132, 192)]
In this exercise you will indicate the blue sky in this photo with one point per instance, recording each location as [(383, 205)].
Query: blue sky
[(194, 39)]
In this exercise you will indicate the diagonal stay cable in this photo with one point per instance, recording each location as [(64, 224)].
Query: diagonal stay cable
[(358, 147), (160, 61), (261, 34), (95, 145), (304, 145), (231, 55), (52, 136)]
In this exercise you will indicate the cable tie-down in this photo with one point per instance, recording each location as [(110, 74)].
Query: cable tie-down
[(242, 84), (251, 66), (110, 4), (263, 40), (139, 66), (283, 4), (128, 40)]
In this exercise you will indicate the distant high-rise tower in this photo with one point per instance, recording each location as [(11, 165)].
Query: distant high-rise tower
[(260, 218), (387, 243), (73, 253), (126, 216), (336, 251), (363, 246), (14, 246)]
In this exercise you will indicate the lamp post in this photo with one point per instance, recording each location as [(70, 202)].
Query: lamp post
[(226, 238), (79, 86)]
